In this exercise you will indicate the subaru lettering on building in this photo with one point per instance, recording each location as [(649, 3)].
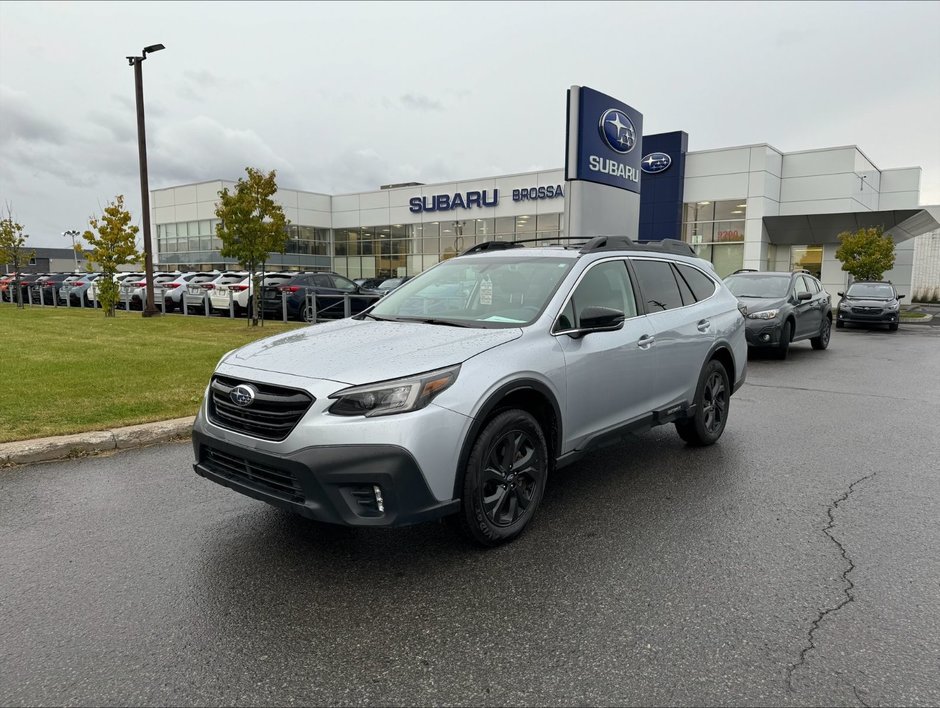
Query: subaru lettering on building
[(446, 202)]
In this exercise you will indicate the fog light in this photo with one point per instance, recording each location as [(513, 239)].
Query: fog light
[(765, 337), (378, 497)]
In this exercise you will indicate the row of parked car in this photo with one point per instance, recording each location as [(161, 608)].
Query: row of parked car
[(306, 296)]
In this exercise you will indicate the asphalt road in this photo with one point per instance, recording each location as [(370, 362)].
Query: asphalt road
[(797, 562)]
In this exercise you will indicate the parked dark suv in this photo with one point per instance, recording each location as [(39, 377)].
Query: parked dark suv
[(783, 308), (870, 302), (329, 291)]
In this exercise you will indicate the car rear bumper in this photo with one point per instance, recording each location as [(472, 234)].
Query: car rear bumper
[(338, 484)]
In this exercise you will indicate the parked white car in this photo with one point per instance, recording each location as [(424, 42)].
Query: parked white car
[(241, 292), (120, 278), (195, 295), (172, 292), (138, 292)]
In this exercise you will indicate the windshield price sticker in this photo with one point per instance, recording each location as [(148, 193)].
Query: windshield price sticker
[(486, 292)]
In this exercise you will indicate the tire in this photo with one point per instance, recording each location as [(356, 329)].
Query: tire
[(840, 325), (893, 327), (712, 403), (825, 332), (498, 498), (784, 346)]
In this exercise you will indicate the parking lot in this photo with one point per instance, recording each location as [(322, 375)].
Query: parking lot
[(793, 563)]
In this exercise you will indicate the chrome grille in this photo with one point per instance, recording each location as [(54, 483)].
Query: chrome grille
[(276, 482), (271, 416)]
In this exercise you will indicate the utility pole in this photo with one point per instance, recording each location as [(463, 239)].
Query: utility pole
[(73, 234)]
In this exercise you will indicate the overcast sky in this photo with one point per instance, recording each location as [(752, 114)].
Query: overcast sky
[(346, 97)]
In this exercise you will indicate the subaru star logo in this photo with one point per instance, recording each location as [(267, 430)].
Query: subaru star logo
[(242, 395), (655, 162), (617, 130)]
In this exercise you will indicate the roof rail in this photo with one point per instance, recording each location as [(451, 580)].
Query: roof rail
[(491, 246), (670, 245), (745, 270), (608, 243)]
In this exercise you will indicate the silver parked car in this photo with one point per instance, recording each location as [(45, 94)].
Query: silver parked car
[(459, 392)]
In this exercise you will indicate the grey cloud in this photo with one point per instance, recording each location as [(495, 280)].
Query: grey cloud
[(122, 127), (420, 102), (21, 122)]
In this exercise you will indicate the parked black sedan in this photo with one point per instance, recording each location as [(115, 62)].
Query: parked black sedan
[(329, 292), (870, 302), (783, 308)]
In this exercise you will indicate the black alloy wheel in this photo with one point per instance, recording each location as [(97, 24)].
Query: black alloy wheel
[(712, 403), (821, 341), (504, 479)]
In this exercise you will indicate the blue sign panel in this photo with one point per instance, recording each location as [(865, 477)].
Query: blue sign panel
[(608, 135), (662, 196)]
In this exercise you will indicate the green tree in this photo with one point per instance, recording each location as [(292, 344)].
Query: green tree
[(13, 251), (866, 254), (114, 245), (251, 225)]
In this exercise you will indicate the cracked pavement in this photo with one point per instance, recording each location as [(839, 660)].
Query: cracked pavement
[(795, 563)]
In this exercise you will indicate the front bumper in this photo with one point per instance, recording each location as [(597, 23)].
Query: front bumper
[(888, 317), (331, 483), (762, 333)]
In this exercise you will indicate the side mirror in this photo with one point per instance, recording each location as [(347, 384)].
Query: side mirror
[(841, 294), (599, 319), (901, 297), (804, 296)]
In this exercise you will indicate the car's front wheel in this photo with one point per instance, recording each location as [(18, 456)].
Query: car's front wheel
[(893, 327), (784, 346), (504, 479), (712, 403), (821, 341)]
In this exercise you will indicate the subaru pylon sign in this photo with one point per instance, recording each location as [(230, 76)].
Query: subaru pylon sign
[(604, 140)]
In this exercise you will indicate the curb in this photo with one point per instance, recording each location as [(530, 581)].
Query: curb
[(25, 452)]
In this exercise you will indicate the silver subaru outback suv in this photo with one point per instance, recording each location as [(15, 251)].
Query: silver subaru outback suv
[(459, 393)]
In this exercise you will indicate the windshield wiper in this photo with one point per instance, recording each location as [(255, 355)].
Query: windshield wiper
[(377, 318), (431, 320)]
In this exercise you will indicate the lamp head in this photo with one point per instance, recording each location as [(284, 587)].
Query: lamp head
[(153, 48)]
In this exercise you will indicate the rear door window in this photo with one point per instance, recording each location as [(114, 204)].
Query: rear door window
[(658, 285)]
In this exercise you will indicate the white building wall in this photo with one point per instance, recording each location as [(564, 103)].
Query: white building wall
[(925, 282)]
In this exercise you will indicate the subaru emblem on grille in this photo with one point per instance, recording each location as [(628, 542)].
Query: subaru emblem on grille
[(242, 395)]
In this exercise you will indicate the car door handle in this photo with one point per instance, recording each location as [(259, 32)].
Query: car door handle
[(703, 325), (646, 341)]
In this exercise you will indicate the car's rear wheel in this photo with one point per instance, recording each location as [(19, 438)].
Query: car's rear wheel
[(308, 314), (504, 479), (784, 346), (712, 403), (822, 340)]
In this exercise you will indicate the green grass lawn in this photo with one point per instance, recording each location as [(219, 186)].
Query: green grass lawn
[(67, 370)]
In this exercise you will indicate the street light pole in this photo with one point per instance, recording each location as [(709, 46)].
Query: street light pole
[(149, 310), (73, 234)]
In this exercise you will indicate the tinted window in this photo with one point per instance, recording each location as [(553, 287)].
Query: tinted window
[(702, 286), (876, 290), (343, 284), (658, 285), (799, 285), (687, 297), (814, 285), (323, 281), (604, 285), (746, 285)]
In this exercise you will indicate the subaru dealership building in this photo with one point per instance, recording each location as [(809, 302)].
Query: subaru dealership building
[(750, 206)]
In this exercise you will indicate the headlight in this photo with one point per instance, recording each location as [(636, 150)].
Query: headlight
[(892, 306), (763, 315), (398, 396)]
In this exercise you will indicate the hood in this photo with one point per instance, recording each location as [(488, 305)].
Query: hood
[(757, 304), (362, 351), (866, 301)]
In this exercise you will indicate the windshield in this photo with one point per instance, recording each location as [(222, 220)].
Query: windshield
[(490, 292), (881, 291), (758, 285)]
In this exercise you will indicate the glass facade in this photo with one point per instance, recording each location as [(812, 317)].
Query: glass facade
[(386, 251), (716, 231), (807, 258)]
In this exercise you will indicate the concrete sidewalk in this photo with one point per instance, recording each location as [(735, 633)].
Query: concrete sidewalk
[(24, 452)]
